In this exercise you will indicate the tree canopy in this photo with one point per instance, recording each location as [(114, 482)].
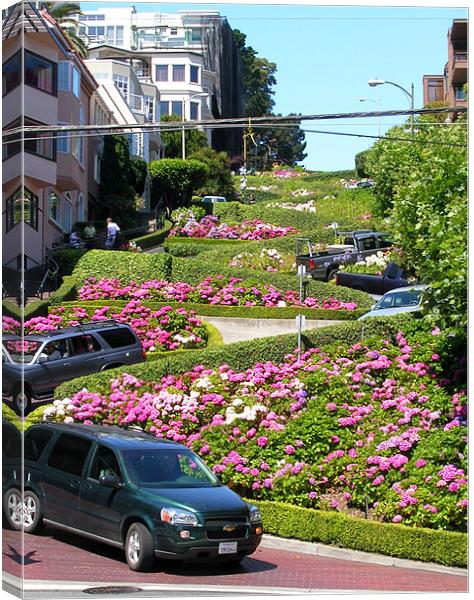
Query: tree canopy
[(421, 186), (219, 179), (193, 138)]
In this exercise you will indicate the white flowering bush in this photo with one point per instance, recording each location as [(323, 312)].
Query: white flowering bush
[(300, 206), (268, 259), (375, 264)]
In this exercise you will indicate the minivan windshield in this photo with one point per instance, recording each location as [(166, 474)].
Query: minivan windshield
[(167, 468), (21, 351), (399, 299)]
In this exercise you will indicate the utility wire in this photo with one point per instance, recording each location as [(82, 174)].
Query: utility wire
[(241, 122)]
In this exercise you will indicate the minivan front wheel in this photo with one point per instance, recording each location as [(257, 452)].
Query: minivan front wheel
[(139, 548), (21, 400), (24, 514)]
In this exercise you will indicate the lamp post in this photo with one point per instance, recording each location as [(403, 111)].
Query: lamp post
[(183, 137), (411, 96), (375, 102)]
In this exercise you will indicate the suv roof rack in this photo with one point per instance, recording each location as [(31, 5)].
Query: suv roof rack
[(103, 430), (83, 327)]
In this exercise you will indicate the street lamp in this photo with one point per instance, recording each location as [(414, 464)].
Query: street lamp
[(375, 102), (411, 96), (183, 102)]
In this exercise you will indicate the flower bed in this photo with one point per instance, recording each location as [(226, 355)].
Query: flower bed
[(330, 430), (375, 264), (212, 227), (216, 290), (268, 259), (158, 330)]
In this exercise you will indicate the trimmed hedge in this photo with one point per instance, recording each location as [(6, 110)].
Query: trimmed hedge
[(247, 312), (37, 308), (67, 259), (9, 415), (415, 543), (126, 266), (214, 339), (154, 239), (66, 291), (240, 355)]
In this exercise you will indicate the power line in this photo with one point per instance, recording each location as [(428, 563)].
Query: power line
[(242, 122)]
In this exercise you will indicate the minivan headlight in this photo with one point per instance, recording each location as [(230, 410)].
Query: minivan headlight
[(255, 515), (176, 516)]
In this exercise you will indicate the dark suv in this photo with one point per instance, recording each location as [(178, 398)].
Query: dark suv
[(127, 488), (47, 359)]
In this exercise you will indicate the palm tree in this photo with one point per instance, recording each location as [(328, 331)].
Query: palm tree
[(63, 13)]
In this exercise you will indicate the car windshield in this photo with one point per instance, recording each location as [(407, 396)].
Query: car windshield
[(167, 468), (397, 299), (21, 351)]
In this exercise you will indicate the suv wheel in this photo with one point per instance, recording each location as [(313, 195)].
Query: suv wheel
[(21, 400), (139, 549), (332, 274), (24, 515)]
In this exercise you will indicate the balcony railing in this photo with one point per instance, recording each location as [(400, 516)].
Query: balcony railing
[(135, 102), (460, 56)]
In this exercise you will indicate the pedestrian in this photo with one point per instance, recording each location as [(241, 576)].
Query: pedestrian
[(89, 234), (74, 239), (112, 231)]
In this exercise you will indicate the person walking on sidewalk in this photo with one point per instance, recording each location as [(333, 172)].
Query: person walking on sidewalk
[(112, 230)]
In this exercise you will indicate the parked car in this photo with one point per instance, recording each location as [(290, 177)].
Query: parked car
[(357, 245), (214, 199), (401, 300), (124, 487), (47, 359), (393, 277)]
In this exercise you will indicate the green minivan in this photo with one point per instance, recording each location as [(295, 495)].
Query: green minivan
[(125, 487)]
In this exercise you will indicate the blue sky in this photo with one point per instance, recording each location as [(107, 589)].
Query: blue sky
[(326, 54)]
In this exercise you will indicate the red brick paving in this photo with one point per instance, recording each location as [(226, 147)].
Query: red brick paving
[(71, 558)]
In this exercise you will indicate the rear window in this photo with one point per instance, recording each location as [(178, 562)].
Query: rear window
[(69, 454), (116, 338), (35, 442)]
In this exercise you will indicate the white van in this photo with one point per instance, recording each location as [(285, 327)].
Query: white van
[(214, 199)]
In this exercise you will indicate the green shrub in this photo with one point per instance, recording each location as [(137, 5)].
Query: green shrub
[(66, 291), (154, 239), (35, 416), (427, 545), (9, 415), (67, 259), (214, 339), (126, 266), (241, 355), (248, 312), (37, 308)]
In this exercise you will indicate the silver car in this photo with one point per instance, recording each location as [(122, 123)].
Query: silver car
[(400, 300), (45, 360)]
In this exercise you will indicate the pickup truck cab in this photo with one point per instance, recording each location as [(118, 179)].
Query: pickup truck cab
[(357, 245), (393, 277)]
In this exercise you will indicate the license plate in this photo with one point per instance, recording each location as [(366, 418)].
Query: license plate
[(227, 548)]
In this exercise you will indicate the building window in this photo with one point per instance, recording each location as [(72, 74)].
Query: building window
[(63, 142), (114, 35), (435, 91), (164, 108), (177, 108), (196, 35), (81, 209), (194, 74), (92, 17), (178, 72), (11, 70), (76, 82), (64, 76), (173, 31), (41, 144), (66, 222), (40, 73), (97, 168), (23, 204), (53, 206), (161, 72), (194, 111), (150, 108), (78, 139), (459, 93), (121, 83)]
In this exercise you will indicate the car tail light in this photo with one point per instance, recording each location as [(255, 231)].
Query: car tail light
[(311, 264), (143, 354)]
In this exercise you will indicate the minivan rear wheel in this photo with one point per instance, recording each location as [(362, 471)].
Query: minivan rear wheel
[(24, 514), (139, 549), (21, 400)]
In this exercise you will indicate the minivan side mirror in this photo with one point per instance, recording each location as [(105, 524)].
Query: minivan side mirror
[(110, 481), (42, 358)]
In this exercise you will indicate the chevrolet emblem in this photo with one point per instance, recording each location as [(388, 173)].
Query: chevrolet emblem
[(230, 527)]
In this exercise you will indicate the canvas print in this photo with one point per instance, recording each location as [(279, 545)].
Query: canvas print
[(234, 299)]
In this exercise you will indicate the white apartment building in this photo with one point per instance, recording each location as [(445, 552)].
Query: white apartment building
[(171, 52)]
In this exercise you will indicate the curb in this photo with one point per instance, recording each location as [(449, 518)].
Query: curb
[(316, 549)]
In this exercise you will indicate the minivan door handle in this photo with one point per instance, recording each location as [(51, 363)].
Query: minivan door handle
[(66, 364), (74, 484)]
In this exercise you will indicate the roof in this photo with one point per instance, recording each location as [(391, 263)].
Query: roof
[(408, 288), (118, 437)]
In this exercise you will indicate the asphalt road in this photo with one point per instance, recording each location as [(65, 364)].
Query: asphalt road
[(60, 565)]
